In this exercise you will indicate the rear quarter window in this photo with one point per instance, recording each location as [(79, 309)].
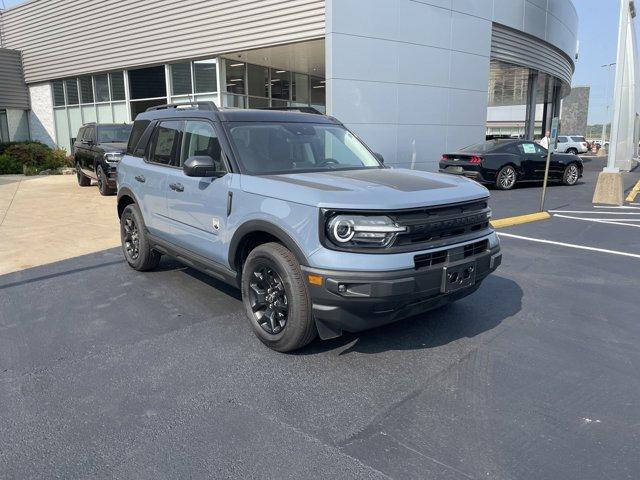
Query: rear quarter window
[(139, 127)]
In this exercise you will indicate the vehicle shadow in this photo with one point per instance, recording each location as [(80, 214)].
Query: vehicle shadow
[(497, 299)]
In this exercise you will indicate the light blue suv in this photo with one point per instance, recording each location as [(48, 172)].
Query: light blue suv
[(296, 211)]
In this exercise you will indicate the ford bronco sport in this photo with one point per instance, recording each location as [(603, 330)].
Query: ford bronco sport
[(294, 209)]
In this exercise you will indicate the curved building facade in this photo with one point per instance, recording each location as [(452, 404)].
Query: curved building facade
[(414, 78)]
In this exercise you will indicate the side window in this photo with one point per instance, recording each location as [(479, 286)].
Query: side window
[(89, 134), (80, 135), (139, 126), (166, 142), (200, 139), (562, 140), (539, 149), (527, 148)]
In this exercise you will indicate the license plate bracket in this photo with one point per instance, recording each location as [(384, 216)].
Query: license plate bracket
[(457, 277)]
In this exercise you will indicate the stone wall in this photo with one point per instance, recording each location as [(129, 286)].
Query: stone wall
[(575, 109), (41, 122)]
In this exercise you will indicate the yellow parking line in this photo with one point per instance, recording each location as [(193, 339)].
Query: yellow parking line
[(634, 191), (511, 221)]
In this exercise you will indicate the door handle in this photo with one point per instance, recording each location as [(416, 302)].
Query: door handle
[(176, 187), (140, 178)]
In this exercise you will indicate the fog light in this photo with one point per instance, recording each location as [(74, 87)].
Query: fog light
[(315, 279)]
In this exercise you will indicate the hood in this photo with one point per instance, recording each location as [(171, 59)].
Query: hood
[(113, 146), (377, 189)]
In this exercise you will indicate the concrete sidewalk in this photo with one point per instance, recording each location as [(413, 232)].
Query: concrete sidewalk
[(50, 218)]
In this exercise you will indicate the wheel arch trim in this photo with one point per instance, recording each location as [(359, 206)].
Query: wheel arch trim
[(253, 226)]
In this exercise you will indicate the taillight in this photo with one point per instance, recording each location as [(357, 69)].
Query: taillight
[(445, 158), (475, 159)]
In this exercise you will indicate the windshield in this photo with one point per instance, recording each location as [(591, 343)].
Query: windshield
[(270, 148), (113, 133), (482, 147)]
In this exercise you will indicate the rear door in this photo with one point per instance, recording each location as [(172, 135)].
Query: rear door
[(151, 179), (197, 207), (86, 150)]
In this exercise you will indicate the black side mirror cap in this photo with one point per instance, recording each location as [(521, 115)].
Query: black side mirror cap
[(379, 157), (201, 166)]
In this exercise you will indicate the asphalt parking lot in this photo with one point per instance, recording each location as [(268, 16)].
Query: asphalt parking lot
[(110, 373)]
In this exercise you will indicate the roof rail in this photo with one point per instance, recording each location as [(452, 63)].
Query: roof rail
[(311, 110), (197, 105)]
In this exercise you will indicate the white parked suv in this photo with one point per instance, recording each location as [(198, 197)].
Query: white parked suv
[(572, 144)]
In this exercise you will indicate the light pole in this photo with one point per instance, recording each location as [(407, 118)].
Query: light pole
[(606, 99)]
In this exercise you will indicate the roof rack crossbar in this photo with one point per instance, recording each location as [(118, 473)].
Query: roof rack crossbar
[(311, 110), (210, 106)]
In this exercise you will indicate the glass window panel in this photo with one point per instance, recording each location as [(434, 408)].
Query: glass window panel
[(200, 138), (105, 115), (258, 78), (63, 139), (75, 120), (205, 76), (89, 114), (300, 90), (147, 83), (236, 101), (58, 93), (279, 103), (256, 102), (280, 84), (86, 89), (235, 77), (317, 91), (181, 99), (207, 98), (71, 85), (120, 112), (117, 85), (181, 78), (102, 88), (165, 143), (4, 127)]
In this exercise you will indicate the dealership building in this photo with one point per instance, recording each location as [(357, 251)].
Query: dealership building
[(413, 78)]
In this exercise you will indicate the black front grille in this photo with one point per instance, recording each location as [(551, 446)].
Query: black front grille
[(451, 255), (429, 225)]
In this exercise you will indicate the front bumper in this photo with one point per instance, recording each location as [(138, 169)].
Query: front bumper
[(356, 301)]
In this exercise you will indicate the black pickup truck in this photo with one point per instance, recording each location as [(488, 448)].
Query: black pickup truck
[(97, 150)]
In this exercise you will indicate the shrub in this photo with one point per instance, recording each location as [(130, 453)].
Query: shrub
[(31, 158)]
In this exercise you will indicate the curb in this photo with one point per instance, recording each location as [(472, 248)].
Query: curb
[(520, 219)]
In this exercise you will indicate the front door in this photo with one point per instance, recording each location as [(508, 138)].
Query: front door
[(534, 160), (197, 207)]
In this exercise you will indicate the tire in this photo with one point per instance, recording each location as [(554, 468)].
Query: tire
[(83, 180), (506, 178), (103, 187), (135, 243), (276, 298), (571, 174), (572, 151)]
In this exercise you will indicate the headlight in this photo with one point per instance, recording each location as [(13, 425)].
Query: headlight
[(113, 157), (362, 231)]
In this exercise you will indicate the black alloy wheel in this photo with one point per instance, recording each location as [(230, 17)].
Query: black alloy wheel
[(268, 299), (131, 238)]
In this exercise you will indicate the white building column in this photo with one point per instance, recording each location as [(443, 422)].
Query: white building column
[(41, 123)]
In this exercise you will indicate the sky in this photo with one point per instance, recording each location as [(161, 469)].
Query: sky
[(598, 30)]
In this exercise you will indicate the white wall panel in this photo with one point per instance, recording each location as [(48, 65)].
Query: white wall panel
[(126, 33)]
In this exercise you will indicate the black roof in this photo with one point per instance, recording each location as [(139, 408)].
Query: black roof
[(236, 114)]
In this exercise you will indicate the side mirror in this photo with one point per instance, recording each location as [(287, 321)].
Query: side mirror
[(201, 166), (379, 157)]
